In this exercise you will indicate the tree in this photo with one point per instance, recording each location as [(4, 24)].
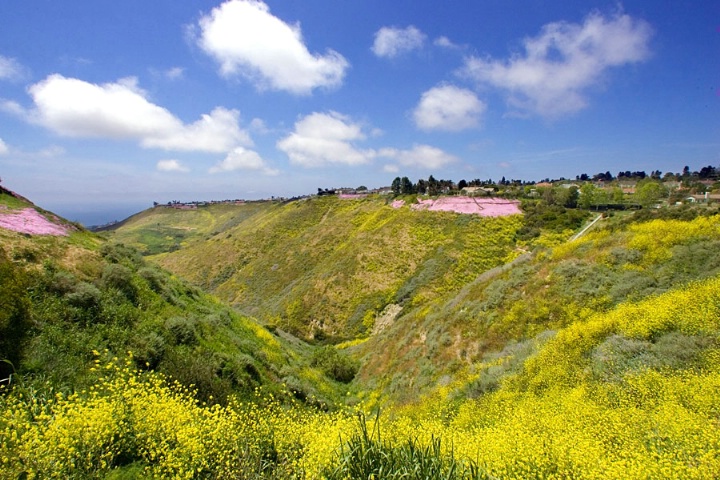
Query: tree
[(649, 192), (396, 186), (708, 172), (433, 186), (406, 186), (618, 196), (421, 187), (587, 195), (462, 184)]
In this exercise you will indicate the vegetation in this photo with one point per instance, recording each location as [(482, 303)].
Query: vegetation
[(559, 416), (358, 255), (495, 348), (65, 297)]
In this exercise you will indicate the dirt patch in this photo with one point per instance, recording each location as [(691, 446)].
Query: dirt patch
[(28, 220), (386, 318)]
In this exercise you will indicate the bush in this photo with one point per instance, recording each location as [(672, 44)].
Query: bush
[(14, 314), (119, 277), (148, 350), (85, 295), (156, 280), (60, 282), (181, 330), (334, 364), (122, 254)]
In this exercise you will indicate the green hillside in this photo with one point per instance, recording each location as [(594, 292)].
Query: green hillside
[(436, 345), (68, 300), (424, 299), (474, 338), (326, 267)]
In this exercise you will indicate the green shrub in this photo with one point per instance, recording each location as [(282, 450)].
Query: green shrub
[(181, 330), (14, 314), (156, 280), (119, 277), (334, 364), (60, 282), (122, 254), (85, 295), (148, 349)]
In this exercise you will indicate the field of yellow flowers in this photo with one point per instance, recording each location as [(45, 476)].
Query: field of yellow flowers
[(559, 417)]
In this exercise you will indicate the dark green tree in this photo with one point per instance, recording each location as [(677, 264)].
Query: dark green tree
[(396, 186), (406, 186)]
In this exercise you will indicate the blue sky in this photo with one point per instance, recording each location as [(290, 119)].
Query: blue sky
[(106, 106)]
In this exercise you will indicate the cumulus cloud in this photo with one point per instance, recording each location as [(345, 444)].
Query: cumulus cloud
[(552, 76), (393, 41), (3, 147), (243, 159), (171, 166), (448, 108), (75, 108), (10, 69), (247, 40), (423, 156), (324, 139)]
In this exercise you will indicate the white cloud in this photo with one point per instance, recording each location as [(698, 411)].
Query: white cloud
[(243, 159), (171, 166), (10, 69), (3, 148), (444, 42), (247, 40), (393, 41), (551, 78), (217, 131), (257, 125), (75, 108), (424, 156), (448, 108), (175, 73), (323, 139), (391, 168), (12, 107)]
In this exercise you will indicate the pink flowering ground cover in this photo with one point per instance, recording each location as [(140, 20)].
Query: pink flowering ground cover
[(29, 221), (485, 207)]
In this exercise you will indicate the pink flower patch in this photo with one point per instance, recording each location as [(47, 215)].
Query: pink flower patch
[(485, 207), (30, 221)]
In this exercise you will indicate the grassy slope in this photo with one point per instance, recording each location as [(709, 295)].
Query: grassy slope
[(80, 294), (485, 332), (326, 267), (329, 266)]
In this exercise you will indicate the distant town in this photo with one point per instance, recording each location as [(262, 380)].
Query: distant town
[(596, 190)]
